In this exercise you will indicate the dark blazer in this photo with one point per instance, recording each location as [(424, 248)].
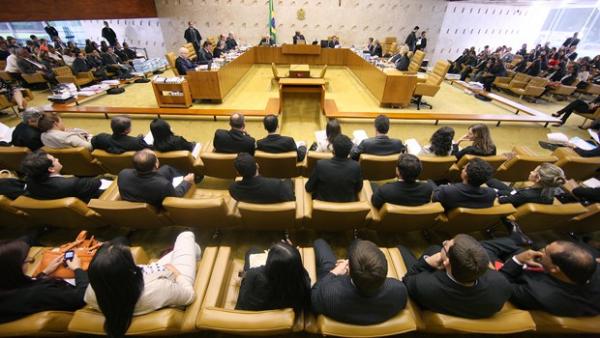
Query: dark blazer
[(463, 195), (275, 143), (588, 153), (433, 289), (411, 41), (233, 141), (192, 35), (151, 188), (109, 35), (25, 135), (378, 145), (262, 190), (523, 196), (109, 59), (335, 180), (52, 32), (173, 143), (588, 194), (80, 66), (94, 61), (230, 43), (402, 63), (533, 290), (27, 67), (471, 150), (183, 65), (43, 295), (131, 54), (422, 45), (12, 187), (217, 52), (402, 193), (377, 51), (295, 38), (336, 297), (55, 187), (204, 57), (118, 144)]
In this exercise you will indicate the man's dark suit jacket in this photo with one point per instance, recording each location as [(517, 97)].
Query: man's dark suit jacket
[(110, 35), (80, 66), (533, 290), (411, 41), (118, 144), (25, 135), (275, 143), (471, 150), (27, 67), (335, 180), (378, 145), (588, 194), (588, 153), (230, 43), (402, 63), (402, 193), (55, 187), (463, 195), (262, 190), (204, 57), (151, 188), (295, 38), (192, 35), (94, 61), (523, 196), (183, 65), (377, 51), (131, 54), (336, 297), (233, 141), (422, 45), (109, 59), (433, 289)]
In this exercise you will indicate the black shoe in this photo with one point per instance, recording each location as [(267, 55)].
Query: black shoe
[(548, 145), (482, 98), (519, 236)]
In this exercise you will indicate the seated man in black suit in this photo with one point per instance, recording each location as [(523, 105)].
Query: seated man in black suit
[(561, 279), (406, 191), (150, 183), (298, 38), (120, 141), (254, 188), (114, 64), (26, 133), (205, 54), (81, 65), (455, 279), (468, 193), (275, 143), (338, 179), (44, 181), (183, 63), (235, 140), (355, 290), (381, 144)]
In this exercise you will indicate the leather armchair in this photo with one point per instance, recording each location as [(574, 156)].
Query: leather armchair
[(533, 217), (519, 80), (576, 167), (589, 221), (183, 160), (64, 212), (332, 216), (376, 168), (127, 214), (11, 216), (64, 74), (404, 219), (311, 160), (467, 220), (563, 90), (218, 309), (34, 78), (114, 163), (201, 208), (282, 165), (590, 116), (191, 51), (495, 161), (171, 57), (218, 164), (163, 322), (11, 157), (547, 323), (404, 321), (415, 62), (436, 167), (517, 169), (591, 89), (432, 83), (535, 87), (76, 161)]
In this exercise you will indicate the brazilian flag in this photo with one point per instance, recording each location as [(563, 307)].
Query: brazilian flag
[(272, 29)]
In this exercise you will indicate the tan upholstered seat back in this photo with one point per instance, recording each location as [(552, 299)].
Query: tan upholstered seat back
[(331, 216), (436, 167), (182, 160), (311, 160), (438, 73), (470, 220), (403, 219), (65, 212), (579, 168), (533, 217), (11, 216), (587, 222), (191, 51), (282, 165), (46, 323), (62, 71), (547, 323), (495, 160), (114, 163), (275, 216), (377, 168), (517, 169), (209, 213), (129, 214), (33, 78), (5, 75), (171, 57), (415, 61), (218, 164), (76, 161), (275, 72), (11, 157)]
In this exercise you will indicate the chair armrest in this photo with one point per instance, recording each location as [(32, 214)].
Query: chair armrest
[(367, 192), (308, 201), (426, 89), (299, 192), (111, 193)]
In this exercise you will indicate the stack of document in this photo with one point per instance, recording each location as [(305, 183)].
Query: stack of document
[(6, 133), (359, 136), (561, 138)]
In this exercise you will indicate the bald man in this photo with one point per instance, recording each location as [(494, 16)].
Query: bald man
[(183, 62), (236, 140), (561, 279), (150, 183)]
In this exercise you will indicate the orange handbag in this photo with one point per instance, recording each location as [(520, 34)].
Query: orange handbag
[(83, 247)]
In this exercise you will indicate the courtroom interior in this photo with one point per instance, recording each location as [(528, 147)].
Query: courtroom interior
[(347, 168)]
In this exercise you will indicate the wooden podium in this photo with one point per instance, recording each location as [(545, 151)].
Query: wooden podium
[(309, 85), (182, 99)]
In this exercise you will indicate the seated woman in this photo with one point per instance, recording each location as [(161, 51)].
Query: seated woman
[(21, 295), (13, 94), (482, 145), (332, 130), (55, 135), (165, 140), (546, 179), (579, 106), (281, 283), (440, 143), (121, 289)]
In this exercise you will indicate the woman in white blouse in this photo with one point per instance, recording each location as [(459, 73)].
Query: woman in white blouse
[(121, 289), (55, 135)]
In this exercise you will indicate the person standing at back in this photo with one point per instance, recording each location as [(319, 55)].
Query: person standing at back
[(109, 34), (411, 39), (192, 35)]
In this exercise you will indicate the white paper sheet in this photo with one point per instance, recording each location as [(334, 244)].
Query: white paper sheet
[(413, 147), (196, 150), (6, 133), (359, 136), (259, 259), (104, 184), (177, 181), (594, 135), (581, 144), (149, 138), (592, 183), (557, 137)]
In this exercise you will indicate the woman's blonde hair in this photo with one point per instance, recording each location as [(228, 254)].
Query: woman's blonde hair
[(482, 138), (550, 178)]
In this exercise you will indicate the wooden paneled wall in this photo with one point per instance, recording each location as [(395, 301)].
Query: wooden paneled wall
[(38, 10)]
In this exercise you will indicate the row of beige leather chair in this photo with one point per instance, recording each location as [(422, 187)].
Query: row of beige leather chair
[(217, 287), (79, 161), (215, 209)]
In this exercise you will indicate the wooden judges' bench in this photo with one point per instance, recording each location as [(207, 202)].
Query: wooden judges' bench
[(389, 89)]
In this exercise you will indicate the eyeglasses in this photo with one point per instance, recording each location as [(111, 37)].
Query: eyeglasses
[(444, 247)]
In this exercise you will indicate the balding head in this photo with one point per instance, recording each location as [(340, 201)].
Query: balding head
[(574, 261), (120, 125), (183, 52), (236, 121), (145, 161)]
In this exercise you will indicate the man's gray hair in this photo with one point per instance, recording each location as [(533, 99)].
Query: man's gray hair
[(30, 113)]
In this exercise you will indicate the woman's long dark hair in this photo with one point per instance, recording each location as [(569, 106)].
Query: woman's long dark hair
[(12, 258), (332, 129), (289, 281), (118, 284), (441, 141), (482, 138), (161, 131)]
